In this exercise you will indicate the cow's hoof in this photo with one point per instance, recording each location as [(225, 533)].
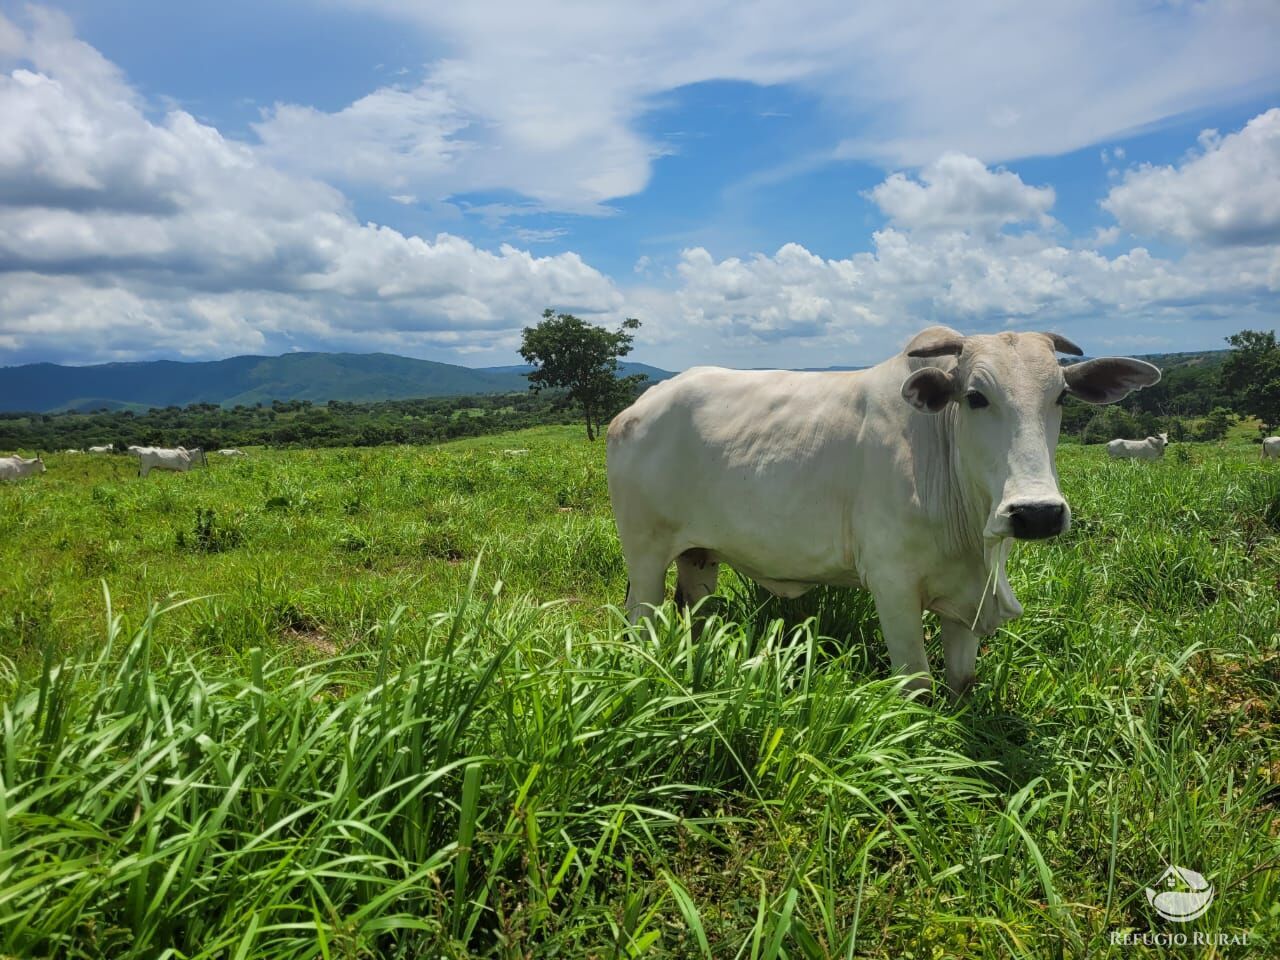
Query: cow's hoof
[(918, 688), (960, 691)]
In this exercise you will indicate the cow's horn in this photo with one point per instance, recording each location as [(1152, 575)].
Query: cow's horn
[(936, 342), (1063, 345)]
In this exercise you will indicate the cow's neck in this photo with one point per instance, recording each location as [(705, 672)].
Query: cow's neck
[(963, 506)]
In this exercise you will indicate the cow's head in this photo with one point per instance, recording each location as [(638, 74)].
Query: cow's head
[(1004, 393)]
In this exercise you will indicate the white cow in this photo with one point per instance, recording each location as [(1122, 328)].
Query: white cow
[(196, 453), (232, 453), (109, 448), (908, 479), (1271, 448), (15, 468), (1151, 448), (73, 451), (159, 458)]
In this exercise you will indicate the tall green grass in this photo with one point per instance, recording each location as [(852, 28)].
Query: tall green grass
[(394, 714)]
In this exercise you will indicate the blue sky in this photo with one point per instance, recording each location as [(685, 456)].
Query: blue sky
[(794, 184)]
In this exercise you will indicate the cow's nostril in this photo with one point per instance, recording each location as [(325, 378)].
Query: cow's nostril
[(1035, 521)]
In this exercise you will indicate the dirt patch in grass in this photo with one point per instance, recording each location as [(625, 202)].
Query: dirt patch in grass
[(311, 639), (1235, 691)]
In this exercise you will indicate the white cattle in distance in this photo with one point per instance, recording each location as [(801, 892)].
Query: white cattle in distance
[(72, 451), (136, 451), (160, 458), (1151, 448), (1271, 448), (195, 452), (109, 448), (909, 479), (15, 468), (231, 453)]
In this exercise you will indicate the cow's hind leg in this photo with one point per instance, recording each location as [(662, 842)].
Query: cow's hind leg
[(647, 585), (696, 575)]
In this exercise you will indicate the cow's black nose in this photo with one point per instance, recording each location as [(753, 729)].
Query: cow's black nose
[(1036, 521)]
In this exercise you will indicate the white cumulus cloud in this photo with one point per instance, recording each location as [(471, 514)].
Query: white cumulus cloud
[(800, 309), (1227, 192), (163, 236), (959, 192)]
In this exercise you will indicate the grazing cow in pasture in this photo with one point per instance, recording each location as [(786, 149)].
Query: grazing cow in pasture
[(1151, 448), (1271, 448), (136, 451), (159, 458), (73, 451), (232, 452), (15, 468), (109, 448), (909, 479)]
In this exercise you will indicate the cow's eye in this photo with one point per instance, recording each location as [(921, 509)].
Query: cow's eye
[(976, 400)]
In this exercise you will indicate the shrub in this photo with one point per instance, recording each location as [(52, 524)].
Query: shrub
[(1109, 423), (1214, 426), (211, 535)]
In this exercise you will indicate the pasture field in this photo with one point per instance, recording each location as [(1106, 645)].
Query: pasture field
[(377, 703)]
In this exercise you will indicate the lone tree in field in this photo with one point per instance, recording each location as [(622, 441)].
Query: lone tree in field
[(1251, 376), (579, 357)]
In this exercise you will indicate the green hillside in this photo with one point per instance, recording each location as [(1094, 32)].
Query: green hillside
[(319, 377)]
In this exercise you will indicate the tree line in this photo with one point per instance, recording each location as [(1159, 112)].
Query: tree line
[(288, 423), (1197, 398)]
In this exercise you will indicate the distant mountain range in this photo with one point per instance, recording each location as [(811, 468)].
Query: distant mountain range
[(1195, 358), (50, 387), (354, 377)]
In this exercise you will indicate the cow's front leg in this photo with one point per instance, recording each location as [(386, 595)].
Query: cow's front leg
[(960, 648), (900, 611)]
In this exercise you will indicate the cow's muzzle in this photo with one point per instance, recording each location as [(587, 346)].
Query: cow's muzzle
[(1037, 519)]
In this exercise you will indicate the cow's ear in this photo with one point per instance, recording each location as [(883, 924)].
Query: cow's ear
[(929, 389), (936, 341), (1062, 345), (1108, 379)]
